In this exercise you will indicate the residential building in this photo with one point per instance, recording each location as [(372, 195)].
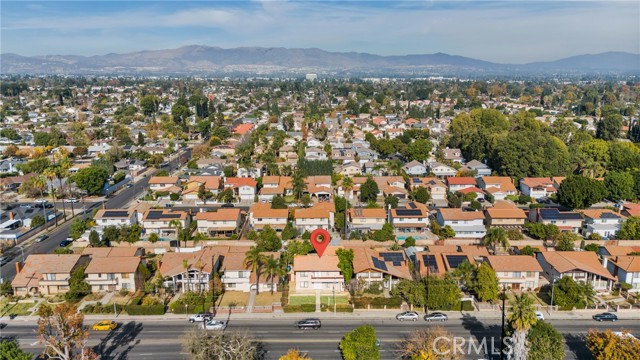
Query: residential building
[(564, 220), (116, 217), (319, 187), (223, 222), (626, 268), (497, 186), (414, 217), (538, 188), (631, 209), (453, 155), (481, 169), (191, 271), (466, 224), (365, 220), (165, 222), (384, 267), (415, 168), (436, 187), (114, 273), (516, 272), (442, 170), (243, 188), (319, 216), (313, 273), (460, 183), (192, 188), (46, 274), (163, 183), (603, 222), (261, 215), (578, 265), (237, 275), (505, 214), (439, 260), (275, 185)]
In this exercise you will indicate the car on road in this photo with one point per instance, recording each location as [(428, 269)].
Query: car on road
[(200, 317), (226, 205), (214, 325), (4, 260), (26, 206), (71, 200), (66, 242), (104, 325), (42, 238), (624, 334), (435, 316), (408, 315), (308, 324), (605, 317), (539, 315)]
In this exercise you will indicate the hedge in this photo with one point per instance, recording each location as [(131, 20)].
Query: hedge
[(363, 302), (101, 309), (158, 309), (339, 308), (299, 308)]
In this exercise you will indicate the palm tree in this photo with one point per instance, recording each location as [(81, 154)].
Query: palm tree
[(347, 186), (65, 164), (40, 184), (226, 196), (272, 267), (50, 174), (298, 184), (521, 316), (59, 176), (199, 266), (185, 266), (494, 237), (176, 224), (255, 260)]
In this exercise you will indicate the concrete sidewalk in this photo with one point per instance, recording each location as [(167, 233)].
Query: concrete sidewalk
[(358, 314)]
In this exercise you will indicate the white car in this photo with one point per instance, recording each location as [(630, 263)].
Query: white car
[(215, 325), (539, 315), (71, 200), (201, 317)]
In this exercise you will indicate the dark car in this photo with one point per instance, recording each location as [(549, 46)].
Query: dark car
[(309, 324), (42, 238), (605, 317), (65, 243), (436, 316), (227, 205)]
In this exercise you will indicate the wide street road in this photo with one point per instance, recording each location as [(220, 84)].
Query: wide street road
[(162, 339)]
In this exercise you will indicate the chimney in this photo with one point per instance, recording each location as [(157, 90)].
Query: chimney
[(18, 267), (10, 215), (605, 262)]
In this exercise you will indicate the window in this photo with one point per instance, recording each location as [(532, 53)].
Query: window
[(304, 284), (531, 273), (230, 285), (49, 276), (126, 286), (111, 276), (303, 274), (241, 274), (553, 222), (125, 275), (517, 274)]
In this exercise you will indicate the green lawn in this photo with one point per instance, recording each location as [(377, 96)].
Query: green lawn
[(15, 308), (341, 300), (299, 300)]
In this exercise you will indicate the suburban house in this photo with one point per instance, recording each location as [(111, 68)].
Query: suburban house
[(480, 168), (578, 265), (517, 272), (46, 274), (441, 170), (349, 169), (224, 222), (391, 185), (319, 216), (165, 222), (630, 209), (311, 273), (460, 183), (163, 183), (191, 271), (261, 215), (538, 188), (192, 189), (414, 217), (564, 220), (439, 260), (497, 186), (603, 222), (116, 217), (237, 276), (319, 187), (415, 168), (275, 185), (453, 155), (437, 189), (466, 224), (626, 268), (365, 220), (385, 267), (114, 273), (505, 214), (243, 188)]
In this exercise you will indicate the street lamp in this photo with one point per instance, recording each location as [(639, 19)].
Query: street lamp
[(553, 286), (22, 250), (504, 297)]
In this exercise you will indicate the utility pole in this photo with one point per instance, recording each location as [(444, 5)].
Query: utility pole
[(334, 299), (213, 284), (504, 296), (553, 285)]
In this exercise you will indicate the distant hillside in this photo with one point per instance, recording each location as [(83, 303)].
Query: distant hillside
[(257, 60)]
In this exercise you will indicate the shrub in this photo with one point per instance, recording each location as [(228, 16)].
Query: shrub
[(374, 288), (157, 309), (513, 234), (124, 292), (174, 197), (299, 308)]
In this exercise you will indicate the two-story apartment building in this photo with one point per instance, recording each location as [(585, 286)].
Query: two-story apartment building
[(517, 272), (466, 224), (579, 265), (441, 170), (603, 222), (237, 276), (413, 217), (114, 273), (243, 188), (165, 222), (626, 268), (365, 220), (275, 185), (192, 188), (261, 215), (224, 222), (564, 220), (46, 274), (505, 214), (319, 216), (385, 267), (191, 271), (319, 187), (312, 273)]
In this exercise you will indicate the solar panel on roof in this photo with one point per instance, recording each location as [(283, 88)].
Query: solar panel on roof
[(417, 181), (378, 264), (116, 213), (455, 260), (609, 216), (430, 262), (154, 215), (171, 216), (408, 212), (412, 206), (392, 256)]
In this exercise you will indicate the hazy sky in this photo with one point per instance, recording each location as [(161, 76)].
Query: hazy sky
[(501, 31)]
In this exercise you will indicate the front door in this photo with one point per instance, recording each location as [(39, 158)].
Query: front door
[(515, 286)]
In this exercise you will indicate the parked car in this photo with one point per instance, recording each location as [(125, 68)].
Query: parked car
[(309, 324), (539, 315), (4, 260), (71, 200), (436, 316), (66, 242), (42, 238), (408, 315), (227, 206), (104, 325), (200, 317), (214, 325), (26, 206), (605, 317)]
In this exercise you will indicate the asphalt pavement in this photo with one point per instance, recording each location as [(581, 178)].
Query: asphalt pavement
[(162, 339)]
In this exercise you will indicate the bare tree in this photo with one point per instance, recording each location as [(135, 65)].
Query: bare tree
[(429, 344), (61, 331), (228, 345)]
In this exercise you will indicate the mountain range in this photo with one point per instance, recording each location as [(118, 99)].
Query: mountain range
[(196, 59)]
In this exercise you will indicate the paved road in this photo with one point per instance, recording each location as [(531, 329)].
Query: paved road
[(161, 339), (62, 232)]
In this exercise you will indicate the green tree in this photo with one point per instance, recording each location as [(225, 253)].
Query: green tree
[(10, 350), (289, 232), (569, 294), (391, 201), (369, 190), (420, 195), (387, 233), (149, 104), (580, 192), (495, 237), (94, 239), (545, 342), (619, 185), (419, 150), (268, 240), (630, 229), (345, 263), (226, 196), (141, 139), (360, 344), (255, 260), (298, 183), (521, 318), (91, 179), (78, 287), (542, 231), (609, 127), (444, 294), (273, 269), (447, 232), (566, 241), (36, 221), (278, 202), (204, 194), (77, 228), (528, 250), (486, 283), (410, 241), (154, 237)]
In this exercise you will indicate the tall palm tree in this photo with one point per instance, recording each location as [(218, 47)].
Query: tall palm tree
[(50, 174), (65, 164), (185, 266), (254, 259), (347, 186), (59, 176), (494, 237), (522, 317), (175, 224), (40, 184), (272, 267), (298, 184)]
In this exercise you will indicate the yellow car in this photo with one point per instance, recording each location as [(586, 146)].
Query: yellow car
[(104, 325)]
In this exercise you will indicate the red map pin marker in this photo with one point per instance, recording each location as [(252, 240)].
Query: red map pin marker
[(320, 239)]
